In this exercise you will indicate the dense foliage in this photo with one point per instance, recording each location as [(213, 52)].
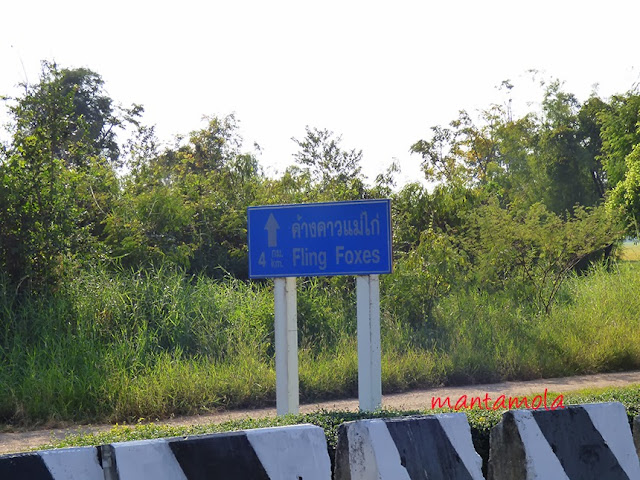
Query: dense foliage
[(66, 203), (110, 240)]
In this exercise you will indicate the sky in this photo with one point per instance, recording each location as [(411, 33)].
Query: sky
[(378, 73)]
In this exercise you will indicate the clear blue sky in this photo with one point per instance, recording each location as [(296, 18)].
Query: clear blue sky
[(379, 73)]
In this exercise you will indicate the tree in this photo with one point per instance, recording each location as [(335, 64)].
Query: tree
[(441, 156), (565, 153), (590, 137), (625, 196), (551, 156), (621, 157), (620, 133), (333, 170), (58, 175), (531, 251), (187, 204), (91, 117)]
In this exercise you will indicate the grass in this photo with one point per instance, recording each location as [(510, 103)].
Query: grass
[(120, 347), (630, 252)]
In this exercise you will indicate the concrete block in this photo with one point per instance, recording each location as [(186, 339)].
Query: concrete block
[(63, 464), (434, 447), (636, 434), (577, 442), (297, 452)]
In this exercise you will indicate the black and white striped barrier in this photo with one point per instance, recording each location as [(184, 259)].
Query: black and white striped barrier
[(281, 453), (64, 464), (411, 448), (636, 433), (580, 442)]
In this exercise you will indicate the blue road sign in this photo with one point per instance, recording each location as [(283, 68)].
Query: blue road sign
[(318, 239)]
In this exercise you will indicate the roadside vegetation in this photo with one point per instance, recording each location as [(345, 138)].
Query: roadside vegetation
[(120, 347), (480, 421), (123, 262)]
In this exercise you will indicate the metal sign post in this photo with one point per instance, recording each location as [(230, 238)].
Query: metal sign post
[(323, 239), (286, 337), (369, 354)]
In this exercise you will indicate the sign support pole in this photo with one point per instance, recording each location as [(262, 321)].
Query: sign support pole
[(286, 337), (369, 354)]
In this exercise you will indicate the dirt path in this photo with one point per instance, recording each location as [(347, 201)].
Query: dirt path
[(414, 400)]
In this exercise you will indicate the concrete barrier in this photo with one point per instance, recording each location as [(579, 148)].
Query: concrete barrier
[(433, 447), (297, 452), (578, 442), (64, 464), (636, 434)]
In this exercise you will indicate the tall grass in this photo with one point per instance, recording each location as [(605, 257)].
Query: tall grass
[(129, 345), (493, 337), (141, 344)]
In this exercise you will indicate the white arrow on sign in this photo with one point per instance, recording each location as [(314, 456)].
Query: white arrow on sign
[(272, 228)]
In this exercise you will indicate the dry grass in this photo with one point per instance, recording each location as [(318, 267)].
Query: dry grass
[(630, 252)]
